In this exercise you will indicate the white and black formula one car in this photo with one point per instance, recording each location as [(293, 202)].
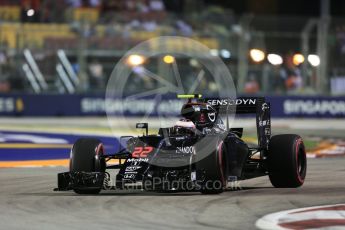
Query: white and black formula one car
[(199, 153)]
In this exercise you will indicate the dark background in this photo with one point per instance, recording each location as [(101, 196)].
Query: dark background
[(282, 7)]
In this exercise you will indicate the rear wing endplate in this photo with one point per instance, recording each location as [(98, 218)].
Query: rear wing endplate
[(247, 105)]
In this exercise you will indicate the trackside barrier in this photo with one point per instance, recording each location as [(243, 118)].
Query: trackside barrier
[(94, 105)]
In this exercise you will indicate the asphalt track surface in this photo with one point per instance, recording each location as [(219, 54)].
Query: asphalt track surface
[(27, 201)]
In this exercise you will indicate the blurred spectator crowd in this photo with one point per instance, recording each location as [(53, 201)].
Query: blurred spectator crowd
[(98, 26), (53, 11)]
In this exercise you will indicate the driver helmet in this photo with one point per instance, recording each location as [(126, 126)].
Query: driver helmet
[(201, 114)]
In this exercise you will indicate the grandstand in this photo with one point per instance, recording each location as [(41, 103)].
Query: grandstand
[(45, 40)]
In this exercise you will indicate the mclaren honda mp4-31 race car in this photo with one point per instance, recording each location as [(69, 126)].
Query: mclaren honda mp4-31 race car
[(199, 153)]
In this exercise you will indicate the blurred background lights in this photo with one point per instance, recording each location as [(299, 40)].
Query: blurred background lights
[(314, 59), (193, 62), (297, 59), (274, 59), (225, 53), (30, 12), (135, 60), (214, 52), (257, 55), (168, 59)]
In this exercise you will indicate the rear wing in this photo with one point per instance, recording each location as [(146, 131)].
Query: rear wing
[(242, 105), (247, 105)]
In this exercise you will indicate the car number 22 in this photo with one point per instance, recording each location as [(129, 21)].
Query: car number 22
[(141, 152)]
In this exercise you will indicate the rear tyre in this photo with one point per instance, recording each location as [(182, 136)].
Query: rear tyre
[(85, 157), (213, 168), (287, 161)]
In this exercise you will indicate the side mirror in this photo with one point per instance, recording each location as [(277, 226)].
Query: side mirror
[(237, 131), (143, 126)]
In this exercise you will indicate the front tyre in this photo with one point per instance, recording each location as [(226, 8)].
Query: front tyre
[(213, 167), (86, 157), (287, 161)]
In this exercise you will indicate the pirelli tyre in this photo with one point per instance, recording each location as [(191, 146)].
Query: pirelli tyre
[(85, 157), (287, 161), (213, 167)]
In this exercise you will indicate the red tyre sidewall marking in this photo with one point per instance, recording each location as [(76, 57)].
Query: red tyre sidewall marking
[(99, 149), (298, 142), (99, 152), (220, 156)]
